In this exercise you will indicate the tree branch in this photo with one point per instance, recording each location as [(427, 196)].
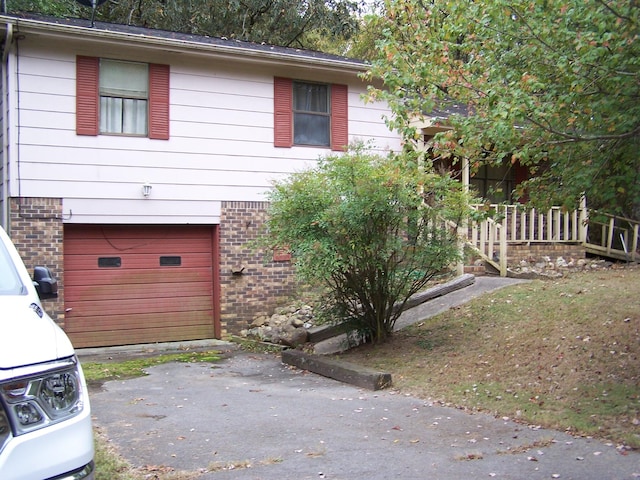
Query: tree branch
[(611, 9), (569, 138)]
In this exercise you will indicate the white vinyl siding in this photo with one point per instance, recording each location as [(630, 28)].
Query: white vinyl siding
[(221, 145)]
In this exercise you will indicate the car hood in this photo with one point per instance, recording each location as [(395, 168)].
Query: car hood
[(28, 335)]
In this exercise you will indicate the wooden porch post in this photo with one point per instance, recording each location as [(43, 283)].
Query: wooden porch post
[(463, 230), (583, 227)]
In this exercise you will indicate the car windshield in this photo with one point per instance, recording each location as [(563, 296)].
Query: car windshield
[(10, 283)]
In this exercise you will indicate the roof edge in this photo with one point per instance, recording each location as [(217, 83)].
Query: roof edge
[(245, 51)]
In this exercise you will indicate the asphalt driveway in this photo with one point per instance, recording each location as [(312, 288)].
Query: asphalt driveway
[(252, 417)]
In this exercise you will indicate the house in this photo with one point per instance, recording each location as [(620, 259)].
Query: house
[(516, 234), (135, 163), (491, 182)]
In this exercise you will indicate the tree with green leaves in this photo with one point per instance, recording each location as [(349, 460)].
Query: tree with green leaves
[(553, 84), (371, 230), (289, 23)]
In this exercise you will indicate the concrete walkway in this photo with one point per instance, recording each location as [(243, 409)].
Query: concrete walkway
[(482, 285), (433, 306)]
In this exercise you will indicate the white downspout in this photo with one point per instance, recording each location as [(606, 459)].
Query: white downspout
[(4, 181)]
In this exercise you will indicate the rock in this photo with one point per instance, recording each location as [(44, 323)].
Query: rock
[(295, 337), (276, 320), (541, 268), (297, 322), (260, 321), (287, 326)]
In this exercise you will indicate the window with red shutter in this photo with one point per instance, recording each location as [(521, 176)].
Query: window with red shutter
[(310, 114), (159, 102), (339, 117), (122, 98)]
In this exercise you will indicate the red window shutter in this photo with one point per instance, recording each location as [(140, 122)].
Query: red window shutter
[(87, 93), (339, 117), (283, 112), (159, 101)]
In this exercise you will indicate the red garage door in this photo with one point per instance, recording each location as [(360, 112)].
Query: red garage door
[(141, 284)]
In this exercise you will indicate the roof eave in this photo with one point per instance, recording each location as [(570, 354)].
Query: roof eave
[(182, 46)]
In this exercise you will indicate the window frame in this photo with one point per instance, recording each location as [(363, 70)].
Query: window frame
[(325, 115), (88, 99), (108, 92), (283, 115)]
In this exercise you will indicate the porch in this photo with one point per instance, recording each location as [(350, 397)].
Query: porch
[(512, 234)]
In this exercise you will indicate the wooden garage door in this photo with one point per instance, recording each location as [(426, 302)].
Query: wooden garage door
[(141, 284)]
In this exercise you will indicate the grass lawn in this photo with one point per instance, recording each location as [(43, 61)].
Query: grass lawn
[(563, 354)]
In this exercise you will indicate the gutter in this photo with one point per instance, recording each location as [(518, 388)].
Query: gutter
[(180, 45), (4, 180)]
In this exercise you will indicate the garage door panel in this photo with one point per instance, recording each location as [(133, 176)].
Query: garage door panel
[(138, 231), (132, 291), (135, 277), (102, 247), (186, 260), (115, 337), (134, 305), (154, 281), (125, 323)]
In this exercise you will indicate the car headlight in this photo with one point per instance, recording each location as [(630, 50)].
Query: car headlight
[(41, 399)]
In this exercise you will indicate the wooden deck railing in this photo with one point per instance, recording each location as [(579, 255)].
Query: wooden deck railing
[(600, 233), (517, 224), (612, 236)]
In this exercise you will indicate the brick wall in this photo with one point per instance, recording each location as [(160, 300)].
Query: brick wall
[(36, 228), (537, 251), (257, 286)]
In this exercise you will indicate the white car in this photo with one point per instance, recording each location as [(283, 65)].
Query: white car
[(45, 418)]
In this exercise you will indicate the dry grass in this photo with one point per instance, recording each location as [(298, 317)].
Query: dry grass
[(562, 354)]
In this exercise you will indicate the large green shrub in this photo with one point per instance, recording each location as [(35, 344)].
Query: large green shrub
[(372, 230)]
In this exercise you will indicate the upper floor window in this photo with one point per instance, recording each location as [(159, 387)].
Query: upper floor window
[(124, 93), (122, 98), (311, 114)]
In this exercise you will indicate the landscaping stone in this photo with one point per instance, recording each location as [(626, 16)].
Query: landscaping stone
[(294, 326), (546, 268)]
